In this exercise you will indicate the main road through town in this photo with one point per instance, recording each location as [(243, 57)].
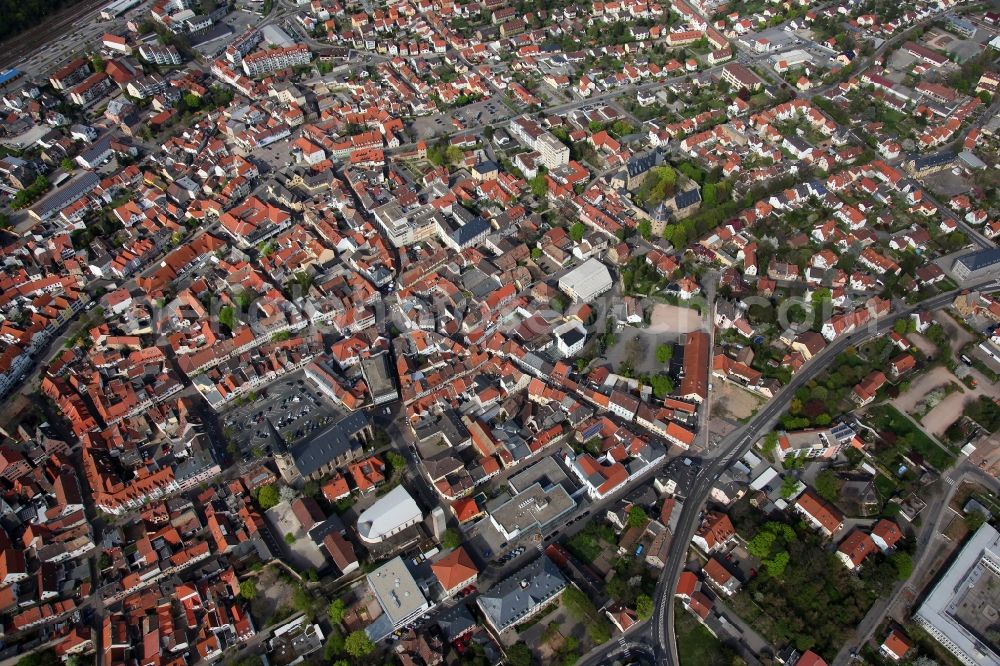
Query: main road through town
[(657, 635)]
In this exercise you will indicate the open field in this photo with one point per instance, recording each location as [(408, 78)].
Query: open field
[(668, 318), (730, 401)]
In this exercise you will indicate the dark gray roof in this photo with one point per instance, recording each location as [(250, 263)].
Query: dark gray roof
[(934, 160), (506, 603), (571, 337), (329, 444), (467, 232), (640, 164), (981, 259), (67, 194), (689, 198), (455, 621)]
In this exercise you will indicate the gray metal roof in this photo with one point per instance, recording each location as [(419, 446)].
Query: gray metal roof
[(511, 600), (330, 443)]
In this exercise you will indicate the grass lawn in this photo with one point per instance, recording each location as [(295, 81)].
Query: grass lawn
[(887, 419), (586, 544), (696, 646)]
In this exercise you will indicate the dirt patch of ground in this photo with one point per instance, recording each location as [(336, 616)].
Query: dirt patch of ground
[(946, 412), (732, 402), (926, 347), (919, 387), (937, 420), (273, 593), (668, 318)]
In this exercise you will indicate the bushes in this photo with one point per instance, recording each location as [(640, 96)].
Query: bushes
[(985, 412)]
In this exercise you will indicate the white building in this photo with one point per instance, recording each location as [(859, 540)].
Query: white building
[(399, 595), (554, 152), (390, 515), (587, 281), (570, 338), (952, 610), (272, 60)]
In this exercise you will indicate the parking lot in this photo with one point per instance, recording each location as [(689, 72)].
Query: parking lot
[(289, 410), (485, 112)]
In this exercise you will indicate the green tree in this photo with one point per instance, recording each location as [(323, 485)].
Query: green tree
[(289, 538), (777, 564), (192, 102), (334, 646), (760, 546), (539, 186), (227, 317), (662, 385), (41, 658), (268, 497), (397, 463), (454, 155), (248, 589), (577, 231), (637, 517), (357, 644), (451, 539), (645, 228), (789, 486), (664, 353), (644, 607), (66, 164), (770, 443), (903, 564), (709, 194), (519, 654), (828, 485), (336, 611)]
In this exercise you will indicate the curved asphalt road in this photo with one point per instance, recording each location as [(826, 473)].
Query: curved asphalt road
[(658, 633)]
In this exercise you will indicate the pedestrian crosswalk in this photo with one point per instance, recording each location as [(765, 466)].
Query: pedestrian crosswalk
[(624, 646)]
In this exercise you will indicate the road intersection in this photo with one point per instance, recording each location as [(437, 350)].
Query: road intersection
[(657, 634)]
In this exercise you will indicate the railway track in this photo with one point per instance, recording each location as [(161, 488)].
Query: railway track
[(15, 49)]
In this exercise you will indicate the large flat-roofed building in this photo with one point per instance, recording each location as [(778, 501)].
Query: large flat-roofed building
[(399, 596), (379, 378), (979, 264), (390, 515), (533, 508), (961, 611), (587, 281)]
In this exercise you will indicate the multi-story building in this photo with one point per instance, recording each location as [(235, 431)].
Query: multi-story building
[(160, 55), (91, 89), (70, 74), (272, 60), (521, 595), (554, 152), (242, 45), (952, 612)]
